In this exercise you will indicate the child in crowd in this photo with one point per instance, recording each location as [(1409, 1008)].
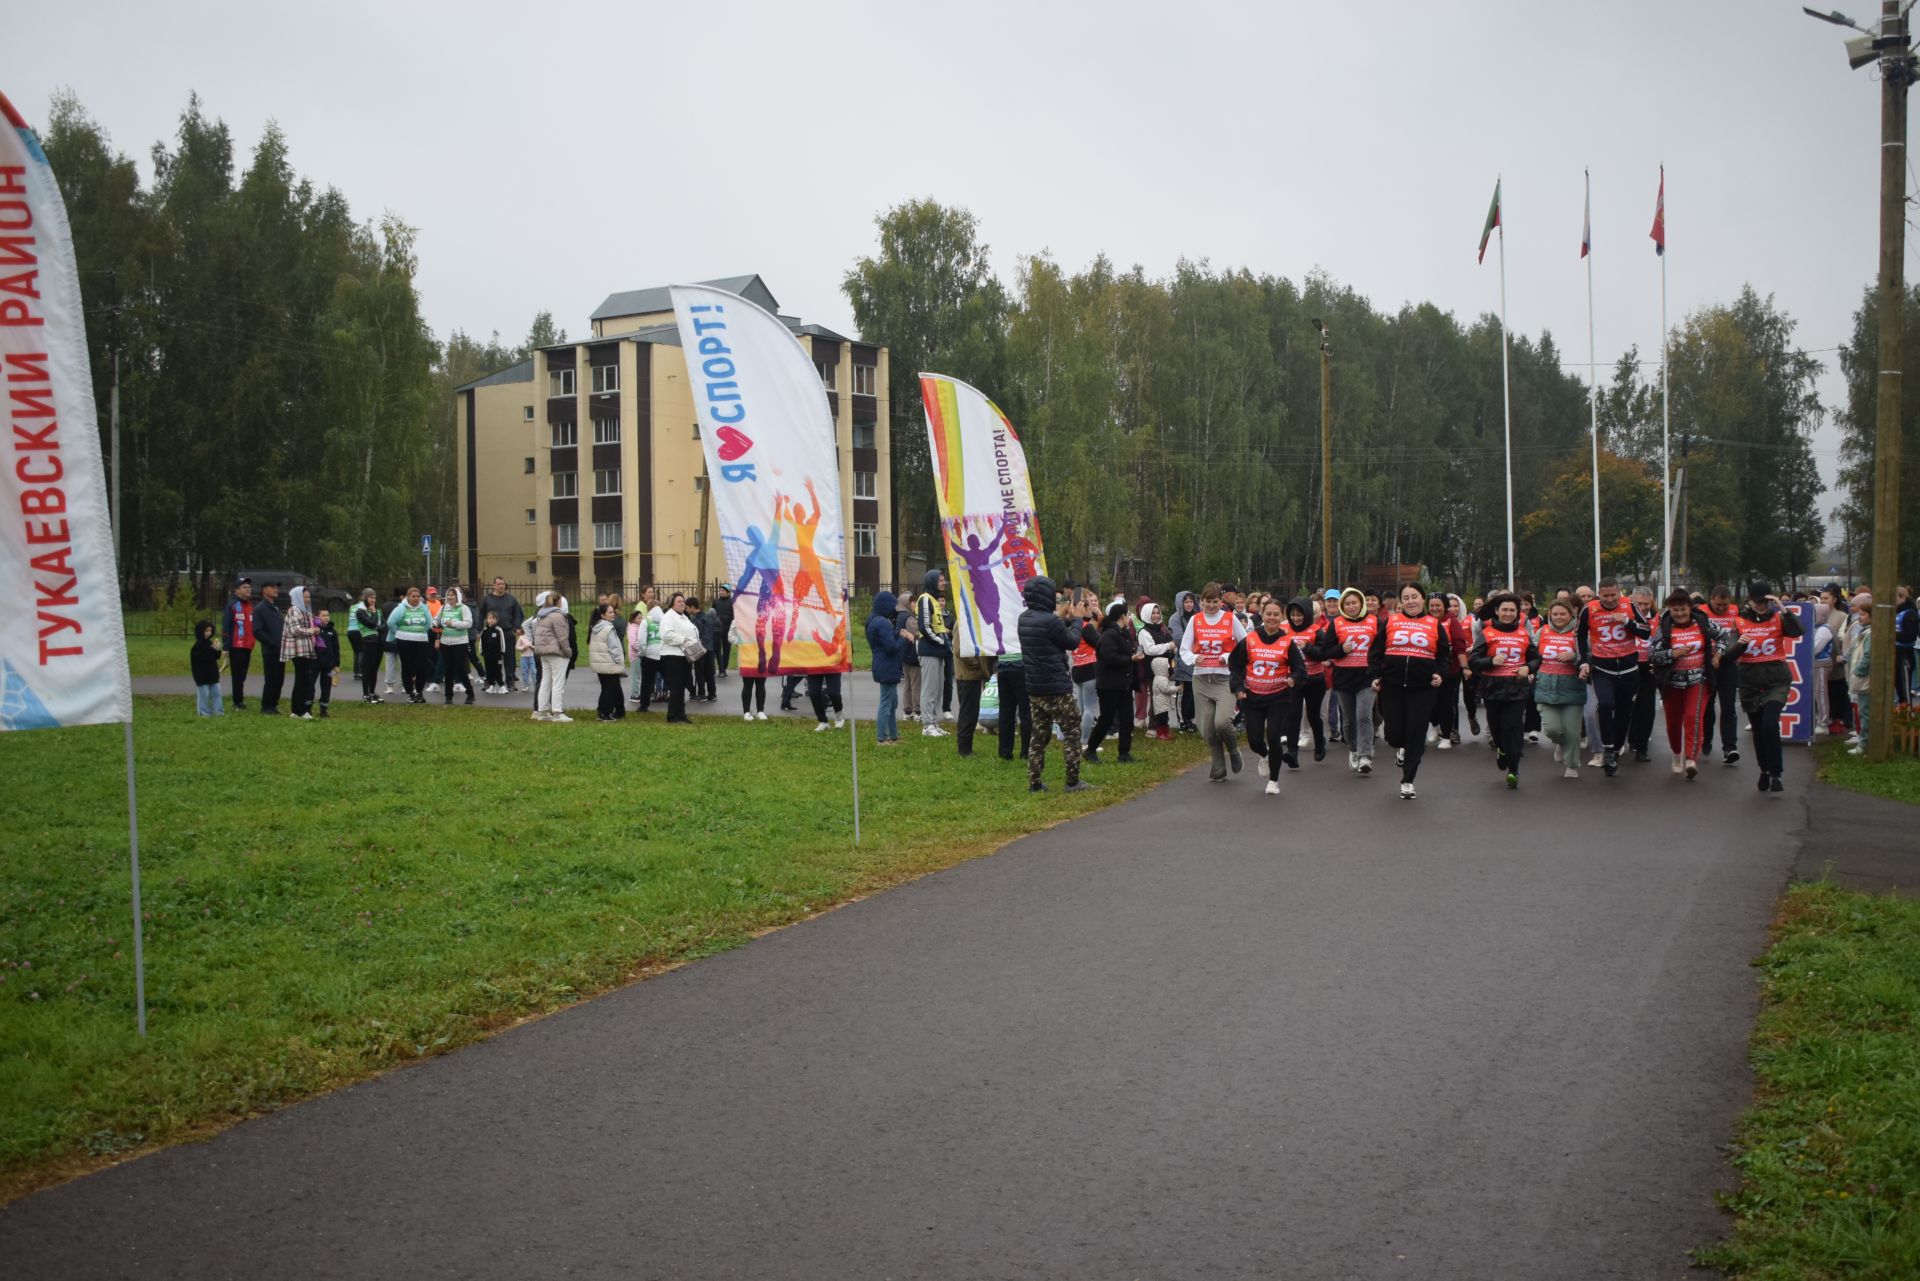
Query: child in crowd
[(326, 658), (707, 624), (909, 629), (1859, 664), (529, 665), (1166, 699), (493, 654), (205, 660)]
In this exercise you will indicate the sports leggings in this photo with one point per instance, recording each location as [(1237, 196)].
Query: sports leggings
[(1614, 692), (1686, 711), (1407, 709), (1271, 720)]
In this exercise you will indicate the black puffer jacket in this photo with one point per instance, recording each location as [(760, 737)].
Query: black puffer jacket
[(1045, 641)]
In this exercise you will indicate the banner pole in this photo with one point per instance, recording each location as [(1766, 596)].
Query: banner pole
[(133, 848), (853, 742)]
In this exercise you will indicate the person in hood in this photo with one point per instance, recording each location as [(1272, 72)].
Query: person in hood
[(456, 644), (607, 656), (1113, 680), (723, 615), (553, 646), (410, 634), (1209, 642), (204, 658), (1407, 666), (1155, 641), (1049, 632), (1310, 690), (1767, 635), (884, 644), (1266, 670), (1185, 606), (296, 644), (1327, 608), (1347, 641), (1506, 658)]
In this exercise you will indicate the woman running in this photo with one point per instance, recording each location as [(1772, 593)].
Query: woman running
[(1559, 692), (1266, 667), (1346, 641), (1506, 659), (1407, 667), (1311, 689), (1209, 639), (1686, 649)]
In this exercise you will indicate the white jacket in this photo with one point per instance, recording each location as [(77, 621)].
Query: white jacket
[(677, 634)]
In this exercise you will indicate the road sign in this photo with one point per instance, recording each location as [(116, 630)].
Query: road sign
[(426, 544)]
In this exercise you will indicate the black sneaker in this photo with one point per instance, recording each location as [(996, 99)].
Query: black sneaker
[(1766, 781), (1320, 752), (1036, 785), (1610, 762), (1640, 756), (469, 698), (1732, 757), (1777, 785), (1473, 724)]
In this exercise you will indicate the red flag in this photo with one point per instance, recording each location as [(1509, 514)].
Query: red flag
[(1659, 232)]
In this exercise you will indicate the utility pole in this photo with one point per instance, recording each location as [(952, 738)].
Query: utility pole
[(1896, 73), (1326, 457)]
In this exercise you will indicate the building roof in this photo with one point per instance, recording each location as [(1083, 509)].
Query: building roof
[(640, 302), (520, 373)]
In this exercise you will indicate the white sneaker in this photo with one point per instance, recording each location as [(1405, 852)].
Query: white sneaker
[(1273, 788), (1353, 761), (561, 717), (946, 716), (1857, 751), (1399, 756), (1571, 772), (746, 716), (433, 689), (1444, 745), (1366, 764), (1679, 766), (932, 731), (760, 716), (1559, 753), (1432, 734), (1533, 736), (304, 716), (389, 688), (1598, 760), (839, 722), (543, 716), (822, 728), (1853, 740), (1406, 791)]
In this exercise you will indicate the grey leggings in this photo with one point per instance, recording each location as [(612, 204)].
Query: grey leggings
[(1356, 717)]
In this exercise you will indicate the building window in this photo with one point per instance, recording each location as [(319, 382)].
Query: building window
[(863, 485), (566, 484), (606, 378), (565, 434), (527, 464), (696, 538), (530, 516), (699, 483), (606, 431), (559, 382), (696, 431), (606, 536), (866, 540), (826, 373), (863, 436), (526, 413), (606, 480), (533, 567), (865, 379), (566, 538)]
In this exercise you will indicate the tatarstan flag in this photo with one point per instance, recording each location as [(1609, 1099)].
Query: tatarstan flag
[(1493, 220)]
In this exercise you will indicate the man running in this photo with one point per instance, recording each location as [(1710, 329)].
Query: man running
[(1608, 628)]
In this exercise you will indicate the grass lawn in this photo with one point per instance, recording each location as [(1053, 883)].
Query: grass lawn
[(1830, 1154), (1898, 777), (327, 899)]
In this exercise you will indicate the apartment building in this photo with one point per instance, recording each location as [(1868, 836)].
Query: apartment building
[(583, 465)]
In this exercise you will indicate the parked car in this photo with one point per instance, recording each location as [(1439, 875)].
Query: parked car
[(323, 597)]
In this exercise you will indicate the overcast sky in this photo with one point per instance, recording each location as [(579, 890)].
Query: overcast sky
[(553, 154)]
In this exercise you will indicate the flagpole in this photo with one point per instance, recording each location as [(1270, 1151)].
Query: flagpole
[(133, 844), (853, 746), (1666, 416), (1506, 392), (1593, 383)]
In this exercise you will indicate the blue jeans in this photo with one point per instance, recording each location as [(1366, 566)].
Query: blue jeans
[(206, 700), (886, 723)]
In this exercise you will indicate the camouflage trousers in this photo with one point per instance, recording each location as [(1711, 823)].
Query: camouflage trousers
[(1050, 710)]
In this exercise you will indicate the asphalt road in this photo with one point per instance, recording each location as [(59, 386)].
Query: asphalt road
[(1486, 1034)]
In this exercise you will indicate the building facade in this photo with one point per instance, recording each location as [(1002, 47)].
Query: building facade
[(583, 465)]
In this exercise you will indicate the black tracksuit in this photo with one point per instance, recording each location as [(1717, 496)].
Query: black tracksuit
[(1272, 719), (1407, 692), (268, 625)]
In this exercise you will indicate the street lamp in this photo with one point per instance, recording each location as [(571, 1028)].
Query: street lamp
[(1326, 454), (1891, 48)]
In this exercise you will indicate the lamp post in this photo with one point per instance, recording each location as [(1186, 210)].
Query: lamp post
[(1326, 456), (1891, 48)]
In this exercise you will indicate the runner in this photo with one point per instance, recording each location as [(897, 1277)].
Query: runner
[(1608, 628), (1266, 668), (1407, 666), (1723, 683), (1506, 658), (1559, 692), (1311, 689), (1208, 640), (1765, 645), (1640, 725), (1686, 649), (1346, 641)]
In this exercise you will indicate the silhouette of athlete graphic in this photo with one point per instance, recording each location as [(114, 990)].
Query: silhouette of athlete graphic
[(763, 563), (986, 593), (808, 575)]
